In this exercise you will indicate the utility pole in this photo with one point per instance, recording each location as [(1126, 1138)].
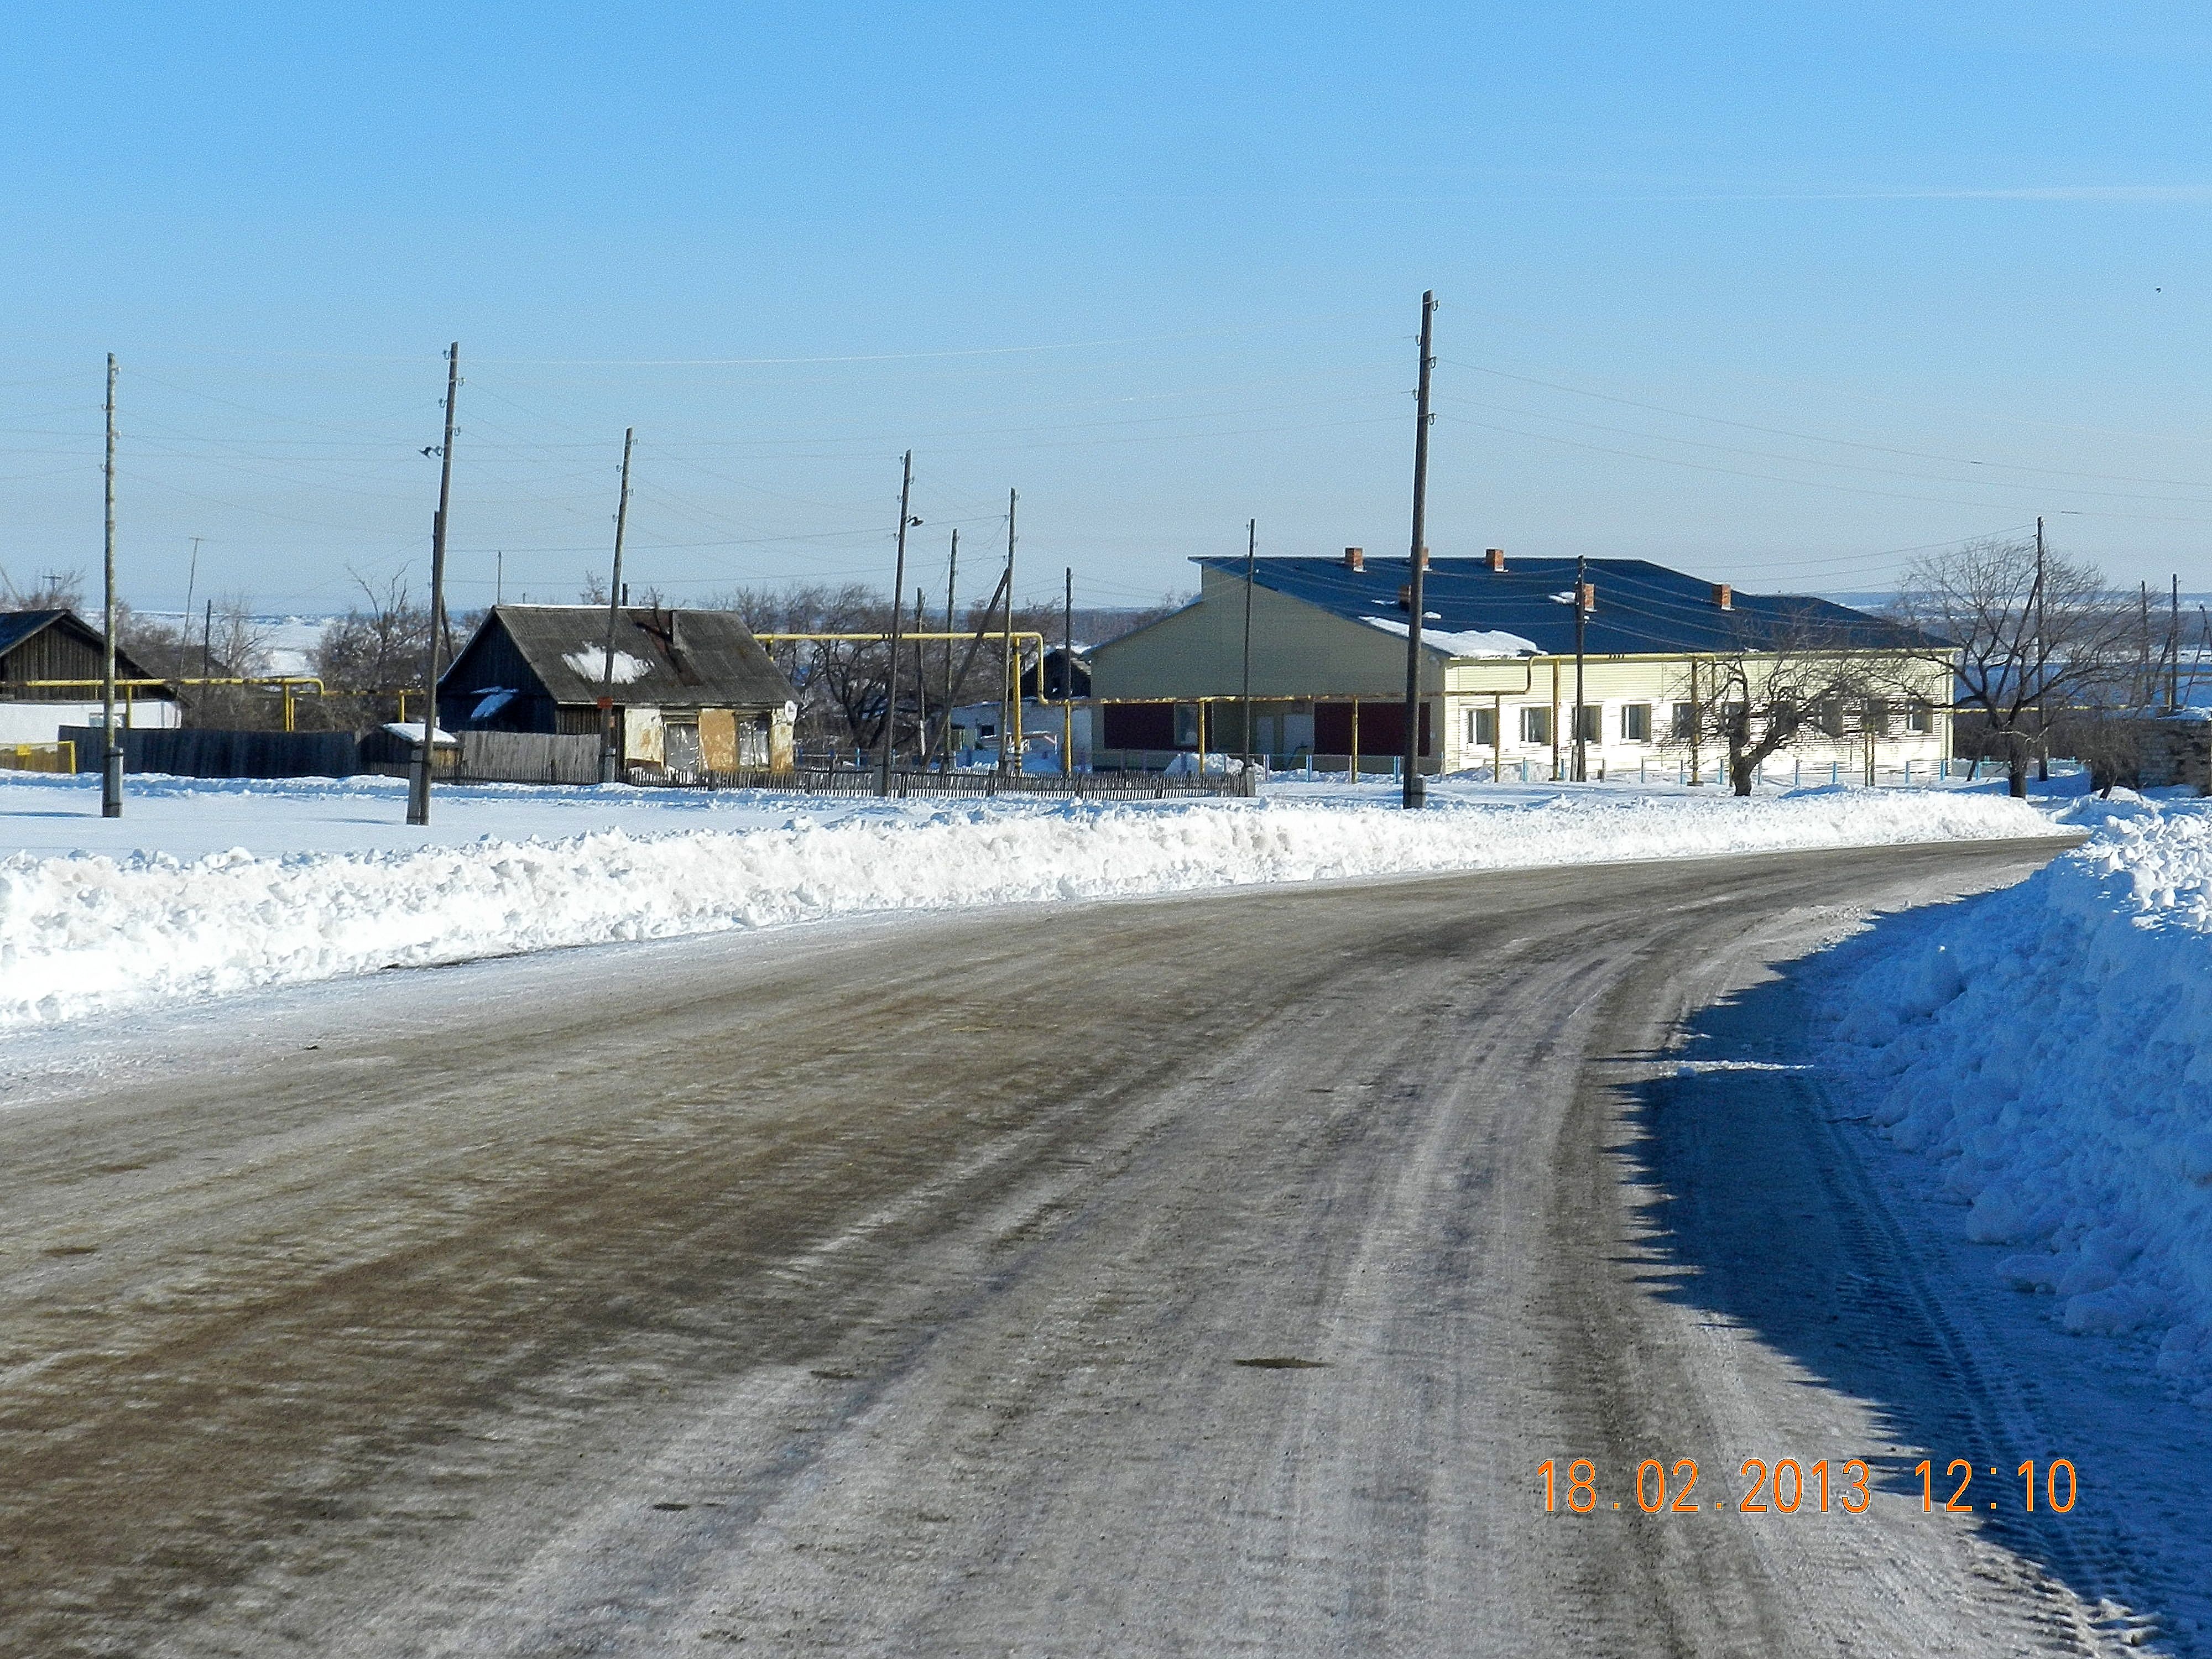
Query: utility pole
[(1010, 690), (921, 682), (951, 585), (2143, 646), (191, 582), (418, 791), (898, 615), (499, 577), (2173, 648), (111, 748), (2042, 708), (1251, 555), (1415, 793), (1582, 620), (1066, 677), (207, 644), (610, 748)]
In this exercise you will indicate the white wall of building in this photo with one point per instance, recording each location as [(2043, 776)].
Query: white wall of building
[(41, 722)]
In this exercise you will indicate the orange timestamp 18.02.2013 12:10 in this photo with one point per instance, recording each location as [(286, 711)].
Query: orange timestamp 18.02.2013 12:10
[(1789, 1486)]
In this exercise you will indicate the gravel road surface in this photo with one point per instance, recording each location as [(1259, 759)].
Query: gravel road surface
[(1196, 1276)]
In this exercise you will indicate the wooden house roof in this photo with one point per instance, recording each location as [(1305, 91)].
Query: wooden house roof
[(706, 658), (21, 628)]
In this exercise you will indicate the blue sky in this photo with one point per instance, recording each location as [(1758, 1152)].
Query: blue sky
[(1772, 294)]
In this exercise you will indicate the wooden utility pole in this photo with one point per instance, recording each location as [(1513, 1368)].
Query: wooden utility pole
[(207, 645), (1251, 555), (1066, 677), (609, 746), (898, 615), (952, 583), (1415, 793), (191, 583), (2173, 648), (2042, 708), (418, 793), (2145, 690), (1010, 690), (1582, 620), (111, 746), (968, 659), (920, 680)]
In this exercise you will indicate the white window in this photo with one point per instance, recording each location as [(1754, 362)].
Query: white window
[(1535, 724), (1636, 722), (1482, 728), (1920, 717), (1686, 721), (1590, 717)]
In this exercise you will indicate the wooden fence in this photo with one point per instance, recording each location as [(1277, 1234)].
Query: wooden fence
[(193, 752), (528, 757)]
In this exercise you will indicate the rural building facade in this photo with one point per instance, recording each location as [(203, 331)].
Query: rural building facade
[(1498, 670), (37, 647), (693, 690)]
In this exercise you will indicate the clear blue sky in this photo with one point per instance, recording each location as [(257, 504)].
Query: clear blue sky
[(1767, 292)]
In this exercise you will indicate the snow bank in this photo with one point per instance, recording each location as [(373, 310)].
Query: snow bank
[(2052, 1044), (84, 932)]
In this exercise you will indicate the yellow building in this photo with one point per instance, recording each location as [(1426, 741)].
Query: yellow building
[(1497, 673)]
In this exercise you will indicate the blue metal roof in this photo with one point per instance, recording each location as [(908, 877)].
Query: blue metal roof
[(16, 626), (1642, 609)]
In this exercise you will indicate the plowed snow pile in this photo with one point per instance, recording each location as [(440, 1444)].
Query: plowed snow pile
[(2052, 1044), (81, 932)]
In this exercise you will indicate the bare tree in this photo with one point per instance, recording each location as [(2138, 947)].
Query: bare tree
[(841, 683), (2029, 635), (54, 589), (1784, 682), (376, 650)]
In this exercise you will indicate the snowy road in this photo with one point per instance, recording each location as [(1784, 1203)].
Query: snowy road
[(883, 1288)]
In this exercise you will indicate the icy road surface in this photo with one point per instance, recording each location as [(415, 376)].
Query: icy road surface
[(895, 1287)]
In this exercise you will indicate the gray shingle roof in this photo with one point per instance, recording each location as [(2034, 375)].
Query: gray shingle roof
[(708, 658)]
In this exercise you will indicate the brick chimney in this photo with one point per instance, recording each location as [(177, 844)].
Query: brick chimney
[(1405, 596), (1724, 596), (1588, 598), (1424, 558), (1355, 559), (1495, 557)]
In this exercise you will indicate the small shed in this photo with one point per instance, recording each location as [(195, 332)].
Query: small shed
[(690, 690), (38, 647)]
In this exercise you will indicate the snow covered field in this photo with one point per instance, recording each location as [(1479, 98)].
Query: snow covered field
[(2047, 1047), (210, 888)]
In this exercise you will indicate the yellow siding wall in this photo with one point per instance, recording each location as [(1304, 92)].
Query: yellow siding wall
[(1299, 650)]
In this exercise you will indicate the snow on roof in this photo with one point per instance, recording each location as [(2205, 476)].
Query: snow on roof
[(412, 732), (1643, 609), (698, 657), (1463, 642), (591, 662)]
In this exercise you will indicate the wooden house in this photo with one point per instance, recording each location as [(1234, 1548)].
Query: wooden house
[(39, 649), (691, 691)]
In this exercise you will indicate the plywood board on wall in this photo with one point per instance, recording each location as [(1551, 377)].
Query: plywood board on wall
[(718, 739)]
